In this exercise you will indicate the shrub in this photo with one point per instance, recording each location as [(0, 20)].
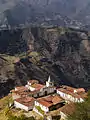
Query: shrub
[(40, 110), (82, 111)]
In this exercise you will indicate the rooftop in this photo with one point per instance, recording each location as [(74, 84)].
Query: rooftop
[(68, 109), (37, 86), (69, 88), (50, 100), (27, 101), (33, 81), (21, 88), (80, 92)]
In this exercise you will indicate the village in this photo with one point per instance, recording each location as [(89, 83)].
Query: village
[(46, 99)]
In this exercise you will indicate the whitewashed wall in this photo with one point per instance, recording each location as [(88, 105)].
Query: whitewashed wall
[(31, 88), (21, 106), (44, 108), (69, 97)]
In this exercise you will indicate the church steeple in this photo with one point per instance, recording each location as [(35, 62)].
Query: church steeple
[(49, 83), (49, 79)]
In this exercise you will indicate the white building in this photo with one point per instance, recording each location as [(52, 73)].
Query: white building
[(31, 82), (71, 94), (39, 89), (47, 103), (49, 83), (17, 92), (33, 89), (26, 103)]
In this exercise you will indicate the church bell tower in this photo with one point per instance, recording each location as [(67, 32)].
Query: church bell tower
[(49, 83)]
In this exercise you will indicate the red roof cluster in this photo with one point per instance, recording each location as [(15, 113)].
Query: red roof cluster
[(50, 100), (70, 90), (27, 101)]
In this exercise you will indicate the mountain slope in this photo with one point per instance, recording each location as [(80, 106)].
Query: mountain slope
[(15, 12), (64, 54)]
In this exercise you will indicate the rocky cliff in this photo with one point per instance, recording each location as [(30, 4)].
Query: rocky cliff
[(47, 12), (62, 53)]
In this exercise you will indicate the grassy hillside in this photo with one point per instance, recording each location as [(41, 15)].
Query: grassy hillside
[(9, 113)]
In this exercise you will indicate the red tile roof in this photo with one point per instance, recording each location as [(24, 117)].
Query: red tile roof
[(37, 86), (45, 103), (33, 81), (21, 88), (80, 90), (27, 101), (75, 95), (68, 109), (57, 99), (70, 91), (50, 100), (25, 93)]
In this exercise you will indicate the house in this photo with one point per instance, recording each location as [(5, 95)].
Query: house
[(79, 90), (36, 86), (19, 92), (25, 103), (49, 103), (67, 110), (31, 82), (71, 94), (21, 88)]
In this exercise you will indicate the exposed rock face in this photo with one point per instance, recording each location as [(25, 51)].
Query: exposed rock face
[(11, 41), (56, 12), (66, 56), (70, 52)]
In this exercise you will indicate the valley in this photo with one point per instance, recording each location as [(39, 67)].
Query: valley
[(36, 52)]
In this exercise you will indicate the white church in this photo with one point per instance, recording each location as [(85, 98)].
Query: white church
[(39, 90), (34, 89)]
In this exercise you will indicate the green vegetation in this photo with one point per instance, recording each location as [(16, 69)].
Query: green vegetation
[(8, 113), (82, 111), (34, 54), (22, 55), (4, 102), (22, 117), (62, 30), (35, 57), (40, 110), (11, 59), (8, 58)]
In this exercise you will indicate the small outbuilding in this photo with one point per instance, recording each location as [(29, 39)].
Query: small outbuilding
[(25, 103)]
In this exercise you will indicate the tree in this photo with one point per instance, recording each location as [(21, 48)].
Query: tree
[(82, 111)]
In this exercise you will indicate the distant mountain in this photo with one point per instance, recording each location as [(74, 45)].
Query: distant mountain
[(16, 12)]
